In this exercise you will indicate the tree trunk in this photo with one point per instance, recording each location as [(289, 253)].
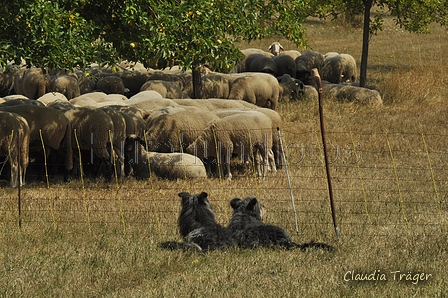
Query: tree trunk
[(365, 43), (197, 81)]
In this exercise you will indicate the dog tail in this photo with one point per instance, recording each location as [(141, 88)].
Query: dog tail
[(315, 245), (173, 245)]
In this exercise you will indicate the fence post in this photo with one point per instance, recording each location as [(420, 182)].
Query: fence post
[(324, 144), (19, 187)]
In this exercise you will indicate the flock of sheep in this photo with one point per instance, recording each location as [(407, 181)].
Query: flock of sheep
[(143, 122)]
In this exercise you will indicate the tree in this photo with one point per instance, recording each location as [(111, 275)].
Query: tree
[(414, 16), (68, 33)]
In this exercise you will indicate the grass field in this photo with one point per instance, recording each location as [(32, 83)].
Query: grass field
[(389, 168)]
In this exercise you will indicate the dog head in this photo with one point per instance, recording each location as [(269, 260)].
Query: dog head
[(250, 206), (196, 212)]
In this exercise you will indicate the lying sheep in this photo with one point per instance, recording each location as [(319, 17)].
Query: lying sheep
[(235, 135), (339, 69), (164, 165), (349, 93)]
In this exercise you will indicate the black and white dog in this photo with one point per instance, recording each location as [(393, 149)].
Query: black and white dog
[(198, 227), (249, 231)]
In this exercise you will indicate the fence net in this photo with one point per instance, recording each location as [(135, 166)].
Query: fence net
[(381, 182)]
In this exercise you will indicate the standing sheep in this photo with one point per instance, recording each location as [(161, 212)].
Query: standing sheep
[(65, 84), (339, 69), (12, 126), (93, 131), (110, 84), (32, 82), (259, 63), (235, 135), (50, 127), (305, 63), (260, 89), (173, 129), (164, 165), (168, 89)]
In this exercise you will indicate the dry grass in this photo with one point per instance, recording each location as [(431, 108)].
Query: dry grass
[(391, 202)]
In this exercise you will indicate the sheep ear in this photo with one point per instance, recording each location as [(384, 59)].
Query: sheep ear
[(252, 204), (235, 203), (281, 48)]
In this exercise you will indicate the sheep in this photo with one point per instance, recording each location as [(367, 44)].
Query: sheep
[(305, 63), (168, 89), (241, 65), (184, 78), (111, 84), (214, 85), (276, 121), (88, 99), (32, 82), (164, 165), (51, 97), (260, 89), (339, 69), (50, 127), (65, 84), (211, 104), (277, 50), (233, 135), (149, 100), (290, 89), (93, 131), (119, 135), (133, 80), (173, 129), (259, 63), (12, 126), (349, 93)]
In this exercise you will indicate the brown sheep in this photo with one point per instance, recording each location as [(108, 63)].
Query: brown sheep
[(12, 126), (168, 89), (32, 82), (260, 89), (235, 135), (50, 127)]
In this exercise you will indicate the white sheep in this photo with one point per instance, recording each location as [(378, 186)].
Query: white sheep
[(238, 135), (164, 165)]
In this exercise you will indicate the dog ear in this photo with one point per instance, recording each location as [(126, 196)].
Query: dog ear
[(235, 203), (183, 194), (252, 204), (202, 197)]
